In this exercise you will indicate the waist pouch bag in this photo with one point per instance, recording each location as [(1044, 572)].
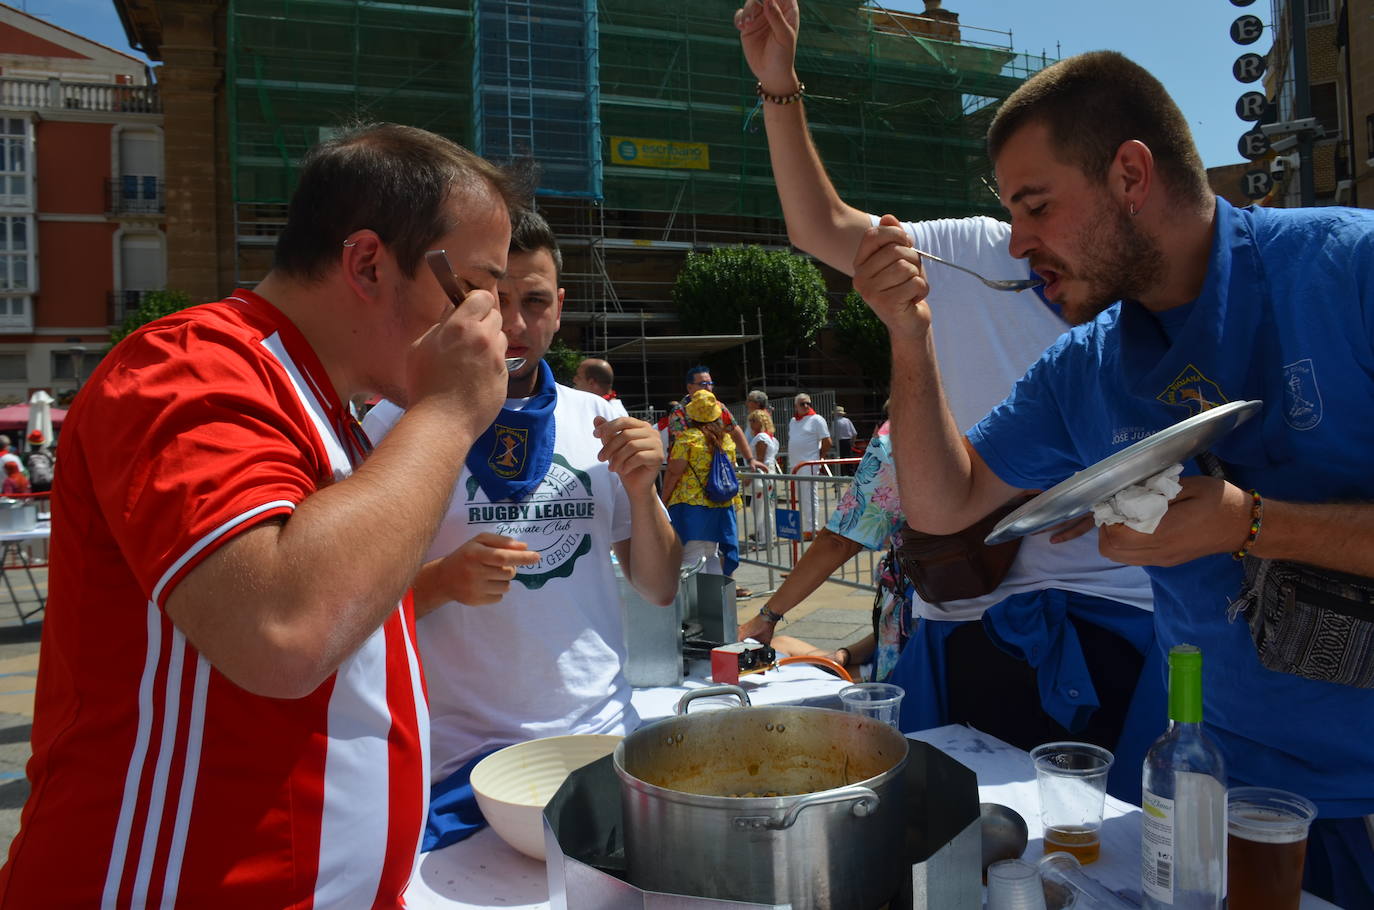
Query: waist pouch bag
[(1305, 621), (1310, 622), (958, 566), (721, 484)]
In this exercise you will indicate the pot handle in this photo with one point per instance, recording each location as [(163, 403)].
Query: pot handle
[(709, 691), (865, 803)]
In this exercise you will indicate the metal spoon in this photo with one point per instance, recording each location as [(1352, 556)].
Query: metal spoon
[(443, 270), (997, 284), (1004, 833)]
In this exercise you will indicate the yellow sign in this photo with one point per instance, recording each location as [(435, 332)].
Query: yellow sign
[(660, 153)]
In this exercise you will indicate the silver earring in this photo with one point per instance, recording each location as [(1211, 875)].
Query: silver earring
[(355, 243), (1131, 205)]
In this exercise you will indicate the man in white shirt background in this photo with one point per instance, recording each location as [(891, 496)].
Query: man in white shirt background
[(808, 440), (843, 433), (596, 376)]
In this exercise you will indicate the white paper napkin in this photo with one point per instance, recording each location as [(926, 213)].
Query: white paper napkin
[(1140, 506)]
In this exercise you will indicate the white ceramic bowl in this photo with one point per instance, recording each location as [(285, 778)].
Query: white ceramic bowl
[(514, 784)]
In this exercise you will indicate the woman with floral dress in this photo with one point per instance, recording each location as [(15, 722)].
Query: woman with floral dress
[(868, 516)]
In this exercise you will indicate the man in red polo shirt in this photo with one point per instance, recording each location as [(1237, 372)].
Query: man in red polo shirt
[(229, 707)]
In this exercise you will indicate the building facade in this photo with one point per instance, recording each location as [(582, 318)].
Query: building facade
[(642, 117), (1331, 81), (81, 201)]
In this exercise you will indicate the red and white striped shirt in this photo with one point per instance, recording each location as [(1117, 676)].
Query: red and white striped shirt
[(157, 782)]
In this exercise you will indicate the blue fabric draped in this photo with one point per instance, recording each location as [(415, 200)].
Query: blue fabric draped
[(453, 813), (1033, 626), (707, 523)]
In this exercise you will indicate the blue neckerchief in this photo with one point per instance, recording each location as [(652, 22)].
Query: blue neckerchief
[(513, 455)]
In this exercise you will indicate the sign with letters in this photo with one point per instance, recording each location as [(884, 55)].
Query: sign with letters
[(662, 153), (1251, 107), (1256, 184), (788, 522), (1253, 144)]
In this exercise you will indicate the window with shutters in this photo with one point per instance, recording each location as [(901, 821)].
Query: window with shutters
[(16, 163)]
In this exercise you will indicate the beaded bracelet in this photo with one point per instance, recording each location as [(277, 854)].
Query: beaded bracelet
[(769, 614), (782, 99), (1256, 519)]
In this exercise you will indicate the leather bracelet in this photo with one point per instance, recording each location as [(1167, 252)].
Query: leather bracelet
[(769, 615), (1256, 519), (782, 99)]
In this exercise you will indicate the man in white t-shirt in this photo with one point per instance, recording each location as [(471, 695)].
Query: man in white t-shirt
[(808, 440), (555, 485)]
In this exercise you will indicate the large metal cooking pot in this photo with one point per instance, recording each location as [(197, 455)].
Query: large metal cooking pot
[(829, 834)]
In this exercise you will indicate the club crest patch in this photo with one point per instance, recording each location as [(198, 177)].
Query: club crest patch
[(1302, 399), (555, 520), (1194, 391), (507, 457)]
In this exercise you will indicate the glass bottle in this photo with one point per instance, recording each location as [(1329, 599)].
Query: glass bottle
[(1183, 836)]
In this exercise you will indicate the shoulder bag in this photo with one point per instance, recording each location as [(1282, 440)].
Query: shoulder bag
[(1306, 621), (958, 566)]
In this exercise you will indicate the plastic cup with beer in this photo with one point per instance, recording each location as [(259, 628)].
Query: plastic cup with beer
[(1072, 779), (1265, 847)]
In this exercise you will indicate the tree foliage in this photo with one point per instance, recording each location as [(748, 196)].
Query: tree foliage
[(715, 288), (154, 305), (563, 360), (863, 337)]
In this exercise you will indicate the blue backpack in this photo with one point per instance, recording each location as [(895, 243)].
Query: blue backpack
[(721, 483)]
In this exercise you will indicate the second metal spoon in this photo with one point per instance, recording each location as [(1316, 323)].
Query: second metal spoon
[(443, 270)]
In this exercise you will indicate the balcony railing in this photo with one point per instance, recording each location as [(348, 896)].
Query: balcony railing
[(135, 195), (79, 96), (122, 303)]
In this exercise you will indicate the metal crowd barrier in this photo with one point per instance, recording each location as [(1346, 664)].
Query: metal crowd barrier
[(759, 542)]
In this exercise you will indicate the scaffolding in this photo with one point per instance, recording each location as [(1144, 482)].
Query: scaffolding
[(642, 117)]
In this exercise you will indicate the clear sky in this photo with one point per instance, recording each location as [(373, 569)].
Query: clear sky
[(1186, 43)]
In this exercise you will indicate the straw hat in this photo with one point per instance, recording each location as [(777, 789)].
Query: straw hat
[(703, 407)]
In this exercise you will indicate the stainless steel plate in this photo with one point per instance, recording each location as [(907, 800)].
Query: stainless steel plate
[(1077, 495)]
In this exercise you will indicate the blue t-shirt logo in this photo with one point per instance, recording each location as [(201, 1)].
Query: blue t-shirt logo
[(1302, 400), (1194, 391)]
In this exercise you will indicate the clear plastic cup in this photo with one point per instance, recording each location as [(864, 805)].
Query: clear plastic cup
[(1072, 779), (880, 701), (1082, 890), (1266, 846), (1014, 885)]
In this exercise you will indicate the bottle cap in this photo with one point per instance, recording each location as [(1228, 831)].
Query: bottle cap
[(1185, 684)]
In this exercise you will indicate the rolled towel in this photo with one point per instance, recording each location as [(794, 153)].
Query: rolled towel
[(1140, 506)]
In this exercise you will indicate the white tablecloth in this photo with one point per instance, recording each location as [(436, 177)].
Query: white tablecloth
[(483, 872), (42, 532)]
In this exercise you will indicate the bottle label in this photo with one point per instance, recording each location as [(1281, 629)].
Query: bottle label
[(1157, 848)]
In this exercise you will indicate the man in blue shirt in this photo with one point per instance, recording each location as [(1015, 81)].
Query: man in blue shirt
[(1109, 201)]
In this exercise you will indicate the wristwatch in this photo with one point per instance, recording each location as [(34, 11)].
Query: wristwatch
[(770, 615)]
